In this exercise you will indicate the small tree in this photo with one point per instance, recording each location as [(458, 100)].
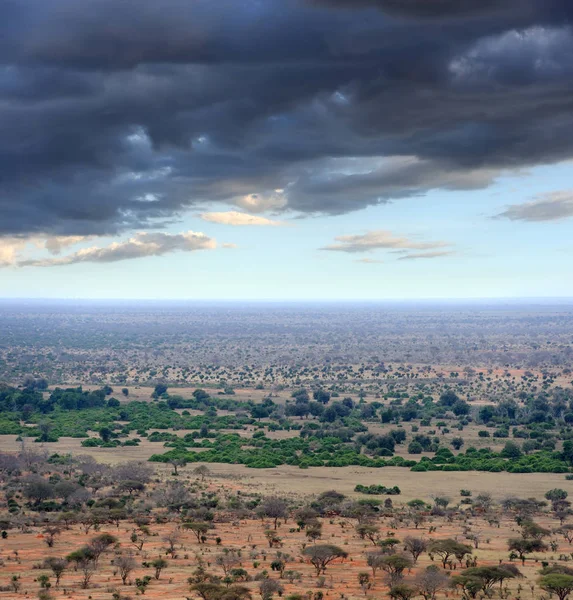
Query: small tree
[(229, 559), (172, 539), (567, 532), (159, 564), (199, 529), (368, 531), (415, 546), (402, 591), (125, 564), (522, 547), (375, 560), (395, 565), (57, 566), (87, 567), (202, 471), (100, 544), (430, 581), (314, 531), (105, 434), (532, 530), (320, 556), (269, 587), (37, 489), (274, 508), (482, 579), (441, 501), (556, 494), (273, 539), (50, 534), (364, 582), (557, 583), (215, 591), (160, 389), (176, 463), (447, 548)]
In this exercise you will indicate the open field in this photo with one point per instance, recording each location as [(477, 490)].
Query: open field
[(316, 480), (23, 551), (243, 412)]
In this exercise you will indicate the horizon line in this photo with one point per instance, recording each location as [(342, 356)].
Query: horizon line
[(561, 299)]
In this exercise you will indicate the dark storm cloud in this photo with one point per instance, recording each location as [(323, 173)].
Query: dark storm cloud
[(117, 114), (431, 8)]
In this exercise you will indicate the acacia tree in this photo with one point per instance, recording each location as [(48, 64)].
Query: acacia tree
[(172, 539), (447, 548), (199, 529), (415, 546), (375, 560), (395, 565), (57, 566), (85, 562), (402, 591), (174, 496), (159, 564), (557, 583), (176, 463), (125, 564), (314, 531), (274, 508), (216, 591), (305, 516), (229, 559), (567, 532), (37, 489), (50, 534), (100, 544), (522, 547), (430, 581), (320, 556), (202, 471), (532, 530), (269, 587), (368, 531), (482, 579)]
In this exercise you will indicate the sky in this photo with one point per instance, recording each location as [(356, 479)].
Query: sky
[(286, 149)]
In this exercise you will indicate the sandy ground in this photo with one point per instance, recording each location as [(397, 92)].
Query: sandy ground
[(22, 552)]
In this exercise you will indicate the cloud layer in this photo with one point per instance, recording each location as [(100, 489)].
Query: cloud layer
[(235, 218), (379, 240), (139, 246), (551, 207), (315, 106), (421, 255)]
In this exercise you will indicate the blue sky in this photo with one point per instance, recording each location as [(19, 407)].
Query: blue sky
[(490, 257), (286, 149)]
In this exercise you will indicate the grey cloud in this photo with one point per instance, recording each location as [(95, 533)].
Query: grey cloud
[(238, 219), (376, 240), (369, 261), (431, 8), (551, 207), (518, 57), (55, 245), (419, 255), (119, 116), (333, 184), (139, 246)]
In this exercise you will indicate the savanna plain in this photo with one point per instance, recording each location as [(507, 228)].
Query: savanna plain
[(303, 451)]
